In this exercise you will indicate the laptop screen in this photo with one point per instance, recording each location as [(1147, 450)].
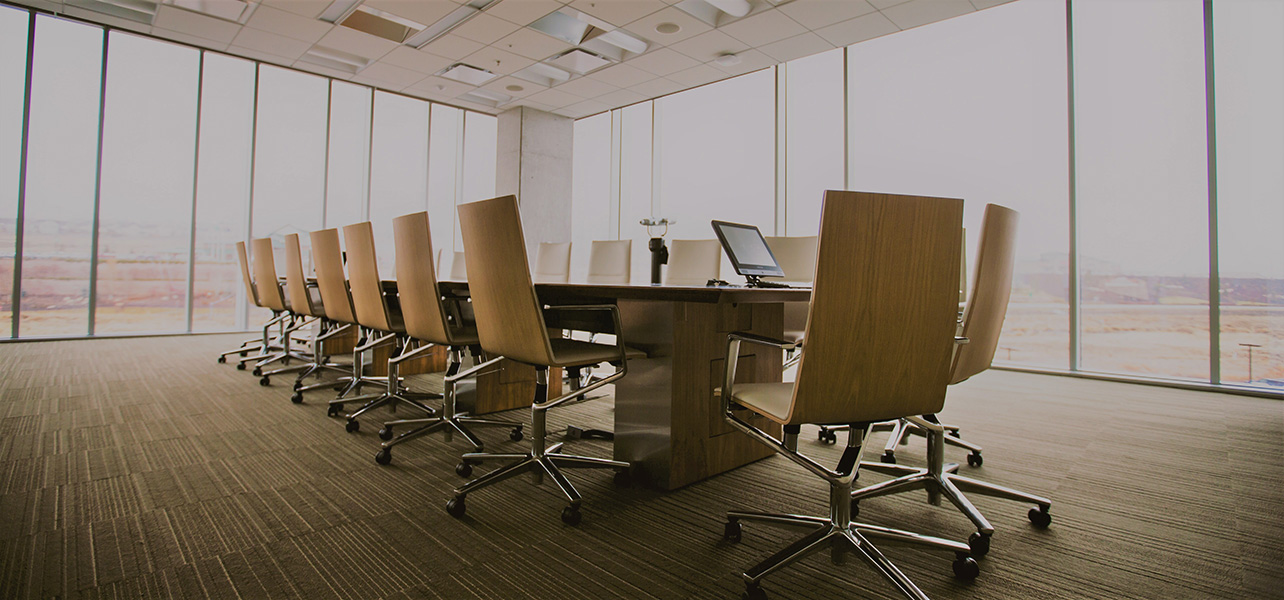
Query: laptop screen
[(747, 249)]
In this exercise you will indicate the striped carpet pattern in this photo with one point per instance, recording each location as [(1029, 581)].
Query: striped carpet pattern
[(141, 468)]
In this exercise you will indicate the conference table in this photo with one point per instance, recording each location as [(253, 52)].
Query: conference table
[(668, 423)]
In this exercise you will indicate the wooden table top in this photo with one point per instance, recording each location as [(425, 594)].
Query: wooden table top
[(554, 293)]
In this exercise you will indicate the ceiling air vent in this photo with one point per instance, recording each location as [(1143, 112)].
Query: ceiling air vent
[(579, 61), (334, 59), (237, 11), (467, 74), (140, 11), (381, 24)]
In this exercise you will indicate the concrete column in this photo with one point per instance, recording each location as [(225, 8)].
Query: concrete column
[(534, 163)]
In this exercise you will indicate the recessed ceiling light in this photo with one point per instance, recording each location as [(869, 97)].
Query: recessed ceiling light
[(467, 74), (514, 88), (668, 28), (727, 60)]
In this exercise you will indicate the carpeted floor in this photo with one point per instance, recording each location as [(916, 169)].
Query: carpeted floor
[(140, 468)]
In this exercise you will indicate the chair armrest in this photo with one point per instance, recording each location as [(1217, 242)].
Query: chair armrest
[(762, 340), (960, 340)]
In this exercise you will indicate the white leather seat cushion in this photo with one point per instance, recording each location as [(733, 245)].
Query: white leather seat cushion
[(771, 400)]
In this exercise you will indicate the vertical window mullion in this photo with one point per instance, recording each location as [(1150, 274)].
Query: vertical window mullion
[(98, 187), (196, 177), (15, 310)]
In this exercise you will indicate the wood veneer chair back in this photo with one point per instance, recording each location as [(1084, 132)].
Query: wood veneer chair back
[(795, 255), (331, 281), (296, 283), (246, 278), (884, 309), (553, 262), (610, 262), (991, 288), (510, 320), (417, 280), (363, 277), (693, 262), (269, 291)]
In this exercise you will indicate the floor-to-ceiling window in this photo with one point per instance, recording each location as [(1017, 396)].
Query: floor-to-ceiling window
[(145, 205), (591, 192), (348, 161), (61, 178), (481, 140), (13, 71), (1142, 187), (636, 197), (398, 168), (814, 146), (1249, 57), (444, 176)]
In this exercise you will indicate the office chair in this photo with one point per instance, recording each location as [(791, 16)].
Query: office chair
[(553, 262), (383, 326), (892, 256), (510, 323), (610, 262), (797, 258), (269, 292), (332, 283), (982, 323), (260, 345), (693, 262), (433, 321), (307, 301)]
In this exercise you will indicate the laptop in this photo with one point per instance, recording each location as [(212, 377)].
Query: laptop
[(749, 253)]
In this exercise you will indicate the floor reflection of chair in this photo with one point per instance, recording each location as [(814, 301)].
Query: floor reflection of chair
[(891, 256), (982, 323), (510, 323), (433, 322)]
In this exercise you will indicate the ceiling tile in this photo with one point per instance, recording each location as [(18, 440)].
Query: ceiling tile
[(501, 85), (320, 70), (984, 4), (53, 6), (586, 87), (618, 12), (415, 60), (441, 87), (498, 61), (583, 109), (798, 46), (388, 76), (697, 76), (750, 60), (530, 103), (663, 62), (881, 4), (859, 29), (182, 21), (453, 47), (523, 12), (485, 29), (98, 17), (764, 28), (307, 8), (620, 98), (288, 24), (708, 46), (815, 14), (622, 76), (554, 98), (270, 43), (425, 12), (658, 87), (356, 42), (689, 26), (531, 44), (189, 39), (922, 12), (260, 56)]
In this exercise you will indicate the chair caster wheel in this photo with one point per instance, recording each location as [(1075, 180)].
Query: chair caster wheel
[(297, 398), (516, 434), (298, 385), (265, 381), (1040, 517), (333, 410), (623, 479), (965, 567), (827, 436), (244, 354), (222, 359), (753, 591), (352, 426), (979, 543), (974, 459), (257, 371), (383, 456), (732, 531), (888, 458), (240, 366), (463, 469), (385, 434), (571, 515), (338, 387), (456, 507)]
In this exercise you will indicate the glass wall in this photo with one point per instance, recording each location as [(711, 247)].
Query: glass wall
[(591, 193), (1249, 57), (135, 197), (1142, 187), (13, 69), (62, 167), (813, 146), (145, 205), (636, 198)]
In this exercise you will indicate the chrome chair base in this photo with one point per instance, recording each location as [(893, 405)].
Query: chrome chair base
[(901, 430), (941, 480), (449, 422), (392, 396)]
